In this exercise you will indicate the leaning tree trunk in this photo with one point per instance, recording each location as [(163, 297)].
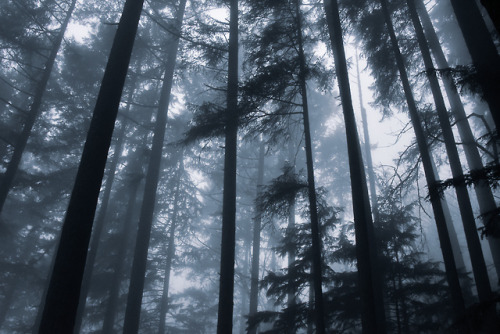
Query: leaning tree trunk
[(444, 238), (22, 140), (228, 243), (464, 204), (368, 149), (100, 222), (170, 251), (493, 9), (484, 195), (254, 276), (64, 288), (483, 52), (370, 285), (136, 288), (317, 273)]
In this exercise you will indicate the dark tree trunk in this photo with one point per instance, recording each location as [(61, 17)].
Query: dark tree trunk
[(368, 149), (483, 52), (228, 243), (64, 288), (170, 251), (99, 224), (317, 273), (493, 9), (444, 238), (465, 207), (254, 278), (373, 314), (485, 198), (136, 288), (22, 140)]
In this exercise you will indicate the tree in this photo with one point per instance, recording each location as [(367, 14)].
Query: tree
[(226, 287), (64, 288), (369, 283)]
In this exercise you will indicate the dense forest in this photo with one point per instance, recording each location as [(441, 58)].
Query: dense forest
[(252, 166)]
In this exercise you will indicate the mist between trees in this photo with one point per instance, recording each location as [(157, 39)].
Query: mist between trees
[(264, 166)]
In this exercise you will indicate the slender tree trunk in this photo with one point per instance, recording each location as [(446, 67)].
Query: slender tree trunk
[(483, 52), (373, 314), (119, 263), (485, 198), (368, 149), (444, 238), (291, 254), (22, 140), (64, 288), (317, 273), (464, 204), (136, 288), (99, 224), (228, 243), (170, 252), (254, 278)]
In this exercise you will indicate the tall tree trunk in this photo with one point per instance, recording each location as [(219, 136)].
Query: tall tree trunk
[(493, 8), (254, 277), (136, 288), (22, 140), (444, 238), (317, 273), (119, 263), (228, 243), (64, 288), (464, 204), (484, 195), (368, 149), (483, 52), (100, 222), (291, 254), (170, 251), (373, 314)]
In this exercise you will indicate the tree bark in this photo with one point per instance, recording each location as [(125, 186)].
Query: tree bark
[(22, 140), (483, 52), (464, 204), (226, 288), (136, 288), (64, 288), (484, 195), (112, 303), (368, 149), (99, 224), (317, 273), (444, 238), (254, 278), (170, 251), (370, 285)]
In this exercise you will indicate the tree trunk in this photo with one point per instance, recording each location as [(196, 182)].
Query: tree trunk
[(170, 251), (291, 254), (370, 285), (99, 224), (444, 238), (228, 243), (493, 9), (64, 288), (136, 288), (368, 149), (317, 273), (464, 205), (483, 52), (485, 198), (22, 140), (112, 303), (254, 278)]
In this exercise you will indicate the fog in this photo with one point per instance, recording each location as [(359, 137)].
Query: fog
[(257, 166)]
